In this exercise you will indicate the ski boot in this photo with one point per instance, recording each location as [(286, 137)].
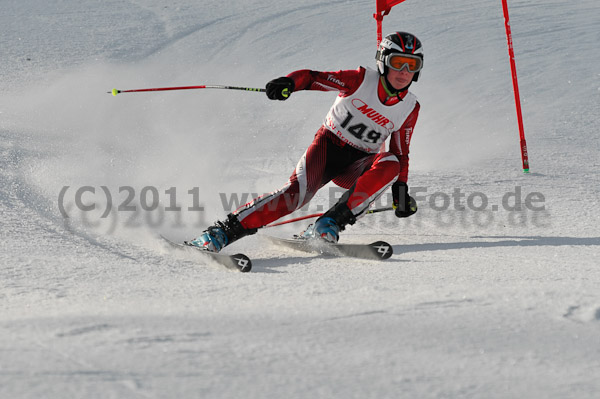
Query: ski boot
[(221, 234), (328, 226)]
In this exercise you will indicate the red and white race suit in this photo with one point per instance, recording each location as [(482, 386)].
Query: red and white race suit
[(348, 148)]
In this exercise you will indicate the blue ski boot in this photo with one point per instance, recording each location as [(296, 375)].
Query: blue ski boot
[(216, 237), (329, 225), (212, 239)]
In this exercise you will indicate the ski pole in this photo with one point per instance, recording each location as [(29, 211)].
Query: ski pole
[(116, 91), (316, 215)]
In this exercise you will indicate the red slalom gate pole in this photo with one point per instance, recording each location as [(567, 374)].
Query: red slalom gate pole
[(383, 8), (513, 68), (114, 92)]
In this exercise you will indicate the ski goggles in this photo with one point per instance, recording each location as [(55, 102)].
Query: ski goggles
[(412, 63)]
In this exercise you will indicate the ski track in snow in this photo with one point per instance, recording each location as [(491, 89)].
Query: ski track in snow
[(496, 303)]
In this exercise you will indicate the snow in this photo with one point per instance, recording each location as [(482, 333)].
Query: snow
[(495, 303)]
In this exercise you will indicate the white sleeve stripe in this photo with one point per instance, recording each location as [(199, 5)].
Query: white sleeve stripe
[(328, 88), (392, 158)]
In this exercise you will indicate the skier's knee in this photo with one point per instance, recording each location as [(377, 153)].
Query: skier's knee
[(388, 163)]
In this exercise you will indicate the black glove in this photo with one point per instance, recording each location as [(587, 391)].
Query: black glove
[(404, 204), (280, 88)]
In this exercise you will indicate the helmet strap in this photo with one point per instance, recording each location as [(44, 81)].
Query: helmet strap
[(389, 89)]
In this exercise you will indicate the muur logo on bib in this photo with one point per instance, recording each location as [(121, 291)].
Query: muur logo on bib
[(372, 114)]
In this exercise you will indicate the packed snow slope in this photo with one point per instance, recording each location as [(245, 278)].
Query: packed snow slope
[(493, 288)]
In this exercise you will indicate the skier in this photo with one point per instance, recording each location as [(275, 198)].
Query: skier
[(347, 149)]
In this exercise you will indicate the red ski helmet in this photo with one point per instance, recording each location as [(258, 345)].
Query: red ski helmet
[(401, 43)]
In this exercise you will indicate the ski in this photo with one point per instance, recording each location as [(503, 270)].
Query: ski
[(378, 250), (238, 262)]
